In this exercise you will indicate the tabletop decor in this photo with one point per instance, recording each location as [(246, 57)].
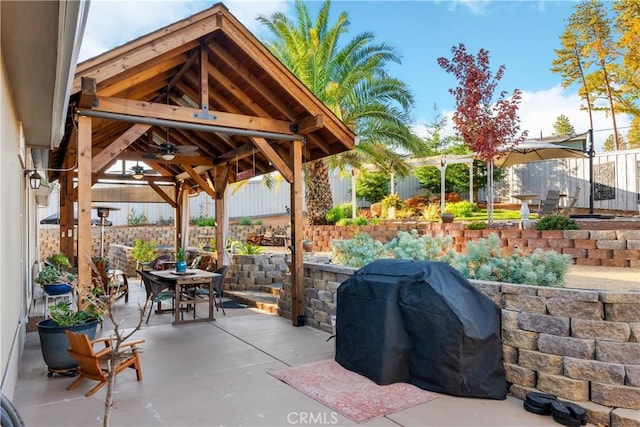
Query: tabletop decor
[(181, 260)]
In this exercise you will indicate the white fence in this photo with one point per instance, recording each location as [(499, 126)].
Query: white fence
[(617, 177)]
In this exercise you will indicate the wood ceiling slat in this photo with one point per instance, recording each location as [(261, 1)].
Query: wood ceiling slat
[(121, 85), (253, 81)]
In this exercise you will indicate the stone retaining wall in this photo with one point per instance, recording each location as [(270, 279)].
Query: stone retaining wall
[(608, 248), (256, 272), (580, 345)]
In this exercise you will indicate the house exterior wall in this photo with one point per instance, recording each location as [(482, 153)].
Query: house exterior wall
[(17, 224)]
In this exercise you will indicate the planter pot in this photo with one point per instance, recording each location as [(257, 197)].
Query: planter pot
[(181, 266), (58, 288), (42, 195), (54, 343), (447, 218), (307, 245)]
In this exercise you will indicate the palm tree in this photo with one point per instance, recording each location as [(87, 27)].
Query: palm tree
[(351, 80)]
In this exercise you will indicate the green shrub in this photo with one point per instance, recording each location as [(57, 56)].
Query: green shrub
[(357, 252), (483, 259), (144, 251), (249, 249), (431, 212), (339, 212), (333, 215), (476, 225), (411, 245), (205, 222), (258, 222), (462, 209), (245, 221), (136, 219), (343, 222), (360, 220), (557, 222)]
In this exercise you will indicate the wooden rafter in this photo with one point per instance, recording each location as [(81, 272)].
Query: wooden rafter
[(186, 115)]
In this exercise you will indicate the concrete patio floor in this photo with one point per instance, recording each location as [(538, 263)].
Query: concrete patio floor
[(216, 374)]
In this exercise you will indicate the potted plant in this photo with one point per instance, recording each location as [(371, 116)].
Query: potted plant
[(53, 340), (60, 261), (181, 260), (55, 281), (307, 245), (447, 216)]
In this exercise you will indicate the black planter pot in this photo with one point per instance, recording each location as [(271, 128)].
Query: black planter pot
[(54, 343)]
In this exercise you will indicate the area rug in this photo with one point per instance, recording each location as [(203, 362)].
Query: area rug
[(350, 394)]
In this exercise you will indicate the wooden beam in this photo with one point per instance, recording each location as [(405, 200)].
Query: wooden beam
[(200, 181), (221, 220), (87, 93), (67, 225), (162, 194), (84, 244), (297, 263), (274, 158), (188, 115), (221, 179), (310, 124), (113, 150), (198, 169)]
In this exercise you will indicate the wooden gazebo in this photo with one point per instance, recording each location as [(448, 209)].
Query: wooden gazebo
[(205, 84)]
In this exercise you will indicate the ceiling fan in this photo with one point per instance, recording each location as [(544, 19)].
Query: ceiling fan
[(168, 151), (139, 172)]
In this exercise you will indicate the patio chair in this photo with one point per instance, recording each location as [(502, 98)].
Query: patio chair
[(217, 287), (549, 205), (94, 365), (156, 293), (573, 200), (113, 282)]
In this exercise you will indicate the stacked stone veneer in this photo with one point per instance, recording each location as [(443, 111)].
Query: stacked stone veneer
[(581, 345), (256, 272), (609, 248)]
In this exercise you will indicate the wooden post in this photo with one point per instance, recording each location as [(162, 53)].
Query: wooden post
[(180, 193), (297, 272), (221, 176), (85, 250), (66, 202)]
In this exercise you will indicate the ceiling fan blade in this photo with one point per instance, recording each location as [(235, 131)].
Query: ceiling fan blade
[(188, 154), (186, 148)]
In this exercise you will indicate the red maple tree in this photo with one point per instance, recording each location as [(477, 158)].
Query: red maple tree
[(486, 127)]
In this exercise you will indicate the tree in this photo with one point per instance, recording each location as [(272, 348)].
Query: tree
[(588, 33), (627, 26), (563, 126), (610, 143), (350, 78), (568, 63), (485, 126), (372, 186), (634, 133)]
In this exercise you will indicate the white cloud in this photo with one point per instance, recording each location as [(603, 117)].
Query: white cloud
[(539, 110)]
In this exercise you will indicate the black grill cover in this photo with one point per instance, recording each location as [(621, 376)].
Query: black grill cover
[(453, 330), (370, 338)]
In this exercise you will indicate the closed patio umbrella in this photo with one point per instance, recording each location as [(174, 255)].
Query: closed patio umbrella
[(534, 151), (54, 219)]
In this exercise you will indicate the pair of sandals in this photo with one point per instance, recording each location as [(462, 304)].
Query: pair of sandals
[(565, 413)]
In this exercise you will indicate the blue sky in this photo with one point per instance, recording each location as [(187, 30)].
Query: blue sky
[(522, 35)]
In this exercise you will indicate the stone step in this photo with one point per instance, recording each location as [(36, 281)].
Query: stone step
[(264, 301)]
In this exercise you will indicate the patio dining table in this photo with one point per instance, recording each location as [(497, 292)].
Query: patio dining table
[(192, 278)]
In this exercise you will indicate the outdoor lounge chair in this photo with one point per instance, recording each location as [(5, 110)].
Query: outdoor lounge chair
[(93, 365), (549, 205), (573, 200)]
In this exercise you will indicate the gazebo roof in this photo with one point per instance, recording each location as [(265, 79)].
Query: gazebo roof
[(204, 81)]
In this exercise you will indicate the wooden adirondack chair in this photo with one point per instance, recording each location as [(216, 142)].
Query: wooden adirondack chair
[(549, 205), (93, 365)]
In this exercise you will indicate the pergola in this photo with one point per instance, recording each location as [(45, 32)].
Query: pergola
[(203, 82)]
